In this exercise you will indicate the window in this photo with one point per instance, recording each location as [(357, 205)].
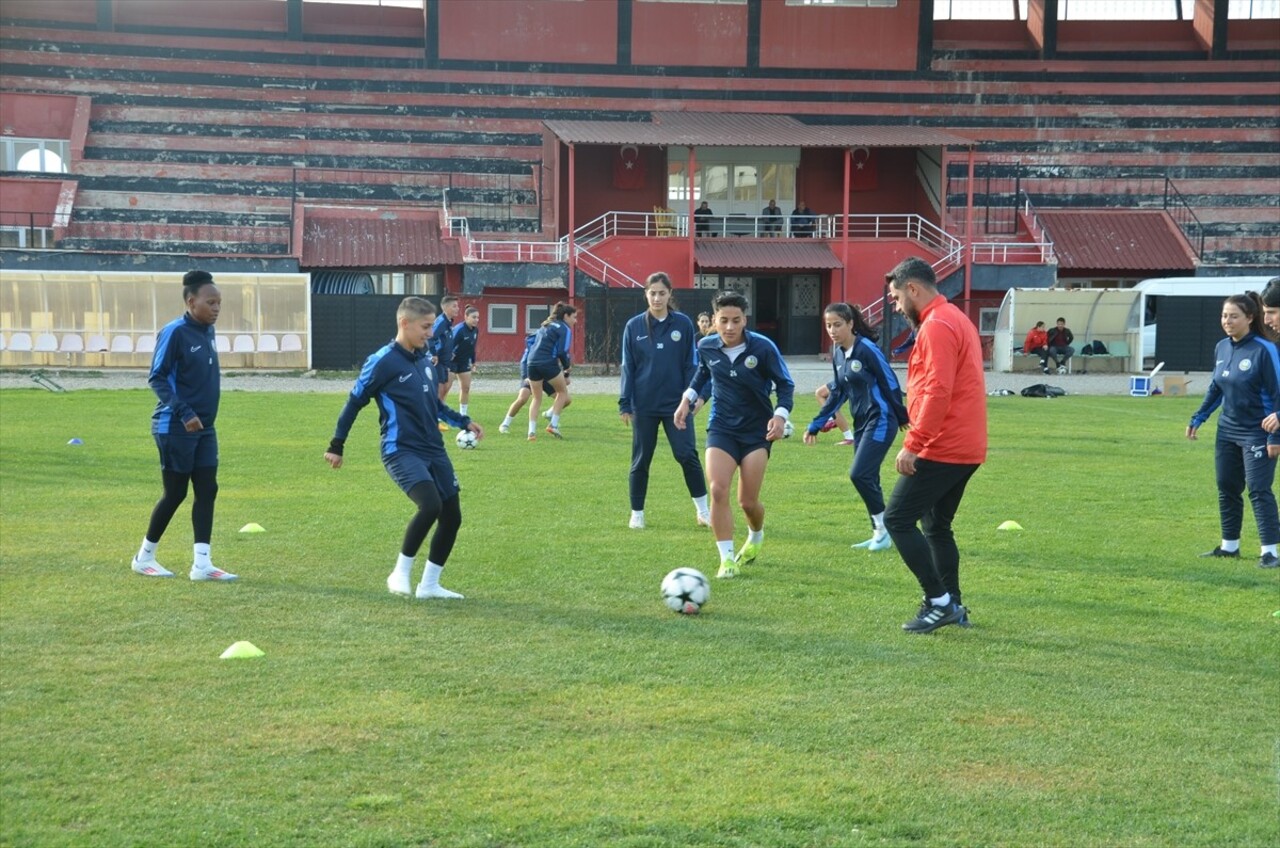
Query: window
[(407, 282), (23, 237), (502, 318), (707, 2), (882, 4), (987, 321), (40, 155), (534, 316)]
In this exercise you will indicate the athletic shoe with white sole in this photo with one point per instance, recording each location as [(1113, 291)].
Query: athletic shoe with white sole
[(554, 431), (504, 428), (398, 584), (429, 593), (1219, 553), (1268, 561), (933, 618), (150, 568), (637, 522), (199, 573), (748, 553), (703, 519), (728, 569)]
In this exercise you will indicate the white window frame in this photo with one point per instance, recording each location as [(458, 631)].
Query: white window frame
[(31, 238), (531, 323), (9, 156), (508, 326)]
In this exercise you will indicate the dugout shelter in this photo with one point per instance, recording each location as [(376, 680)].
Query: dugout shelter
[(1111, 316)]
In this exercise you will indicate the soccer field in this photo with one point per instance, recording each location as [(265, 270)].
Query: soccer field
[(1115, 689)]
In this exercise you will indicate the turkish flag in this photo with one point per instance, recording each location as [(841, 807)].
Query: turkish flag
[(628, 169), (863, 176)]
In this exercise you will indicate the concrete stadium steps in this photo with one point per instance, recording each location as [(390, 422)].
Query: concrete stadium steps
[(164, 245), (228, 117)]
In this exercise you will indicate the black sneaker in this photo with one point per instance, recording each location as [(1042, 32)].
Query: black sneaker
[(930, 618), (1268, 561), (1219, 553)]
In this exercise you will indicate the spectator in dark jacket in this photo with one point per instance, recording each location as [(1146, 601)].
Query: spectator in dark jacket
[(1060, 349)]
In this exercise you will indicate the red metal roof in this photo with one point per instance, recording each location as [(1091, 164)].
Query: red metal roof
[(716, 129), (388, 240), (1117, 240), (763, 254)]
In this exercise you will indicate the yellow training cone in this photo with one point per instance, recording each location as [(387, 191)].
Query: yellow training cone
[(1010, 525), (253, 528), (242, 651)]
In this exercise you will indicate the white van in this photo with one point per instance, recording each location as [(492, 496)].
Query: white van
[(1185, 287)]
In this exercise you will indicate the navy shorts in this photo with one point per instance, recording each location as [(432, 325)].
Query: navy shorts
[(442, 375), (184, 452), (736, 446), (462, 369), (547, 389), (541, 371), (410, 469)]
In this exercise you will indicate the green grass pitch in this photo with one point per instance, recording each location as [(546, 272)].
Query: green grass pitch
[(1115, 690)]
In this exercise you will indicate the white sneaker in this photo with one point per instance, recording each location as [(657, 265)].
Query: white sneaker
[(637, 522), (150, 568), (704, 519), (210, 573), (398, 584), (1062, 369), (426, 593), (504, 428)]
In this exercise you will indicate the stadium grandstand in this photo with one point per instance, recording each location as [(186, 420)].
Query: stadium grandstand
[(324, 159)]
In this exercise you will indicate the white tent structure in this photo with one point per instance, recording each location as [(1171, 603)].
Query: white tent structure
[(1112, 316)]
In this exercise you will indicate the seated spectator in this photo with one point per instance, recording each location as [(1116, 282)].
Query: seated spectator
[(771, 220), (1060, 349), (702, 220), (803, 220), (1037, 344)]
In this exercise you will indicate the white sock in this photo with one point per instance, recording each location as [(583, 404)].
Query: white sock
[(147, 552), (1231, 546), (431, 577), (726, 549), (533, 427), (404, 565), (848, 435), (1269, 549), (555, 421), (755, 537), (506, 421), (878, 521), (202, 555), (941, 602), (462, 407), (700, 504)]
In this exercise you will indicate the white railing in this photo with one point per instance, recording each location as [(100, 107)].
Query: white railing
[(1012, 252), (518, 251), (603, 271), (873, 313)]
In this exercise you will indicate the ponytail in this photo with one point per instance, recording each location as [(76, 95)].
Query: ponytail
[(1250, 303), (559, 311), (852, 314)]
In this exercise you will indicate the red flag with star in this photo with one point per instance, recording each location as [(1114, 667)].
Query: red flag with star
[(628, 169)]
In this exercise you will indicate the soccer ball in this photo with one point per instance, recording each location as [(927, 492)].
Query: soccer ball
[(787, 430), (466, 439), (686, 590)]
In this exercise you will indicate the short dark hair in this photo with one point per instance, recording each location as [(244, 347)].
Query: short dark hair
[(912, 269), (415, 308), (1039, 323), (1060, 318), (1271, 294), (729, 298), (193, 281)]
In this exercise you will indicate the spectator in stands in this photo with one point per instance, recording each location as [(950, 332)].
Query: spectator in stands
[(803, 220), (1037, 344), (1245, 383), (771, 220), (185, 377), (702, 220), (465, 336), (1060, 349)]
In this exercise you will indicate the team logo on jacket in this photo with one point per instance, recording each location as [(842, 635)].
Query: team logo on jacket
[(675, 336), (1245, 364), (750, 362), (855, 366)]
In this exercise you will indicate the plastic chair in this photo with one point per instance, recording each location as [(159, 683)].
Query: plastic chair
[(222, 344), (242, 344), (146, 344), (290, 342), (72, 343), (121, 344), (20, 342), (96, 344), (664, 221), (46, 343), (267, 343)]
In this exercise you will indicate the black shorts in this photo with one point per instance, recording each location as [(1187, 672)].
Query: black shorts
[(736, 446), (410, 469), (543, 371), (184, 452)]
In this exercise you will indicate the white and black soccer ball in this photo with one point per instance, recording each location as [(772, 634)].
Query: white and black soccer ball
[(466, 439), (787, 430), (686, 590)]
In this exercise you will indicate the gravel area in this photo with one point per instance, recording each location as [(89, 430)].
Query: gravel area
[(808, 374)]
